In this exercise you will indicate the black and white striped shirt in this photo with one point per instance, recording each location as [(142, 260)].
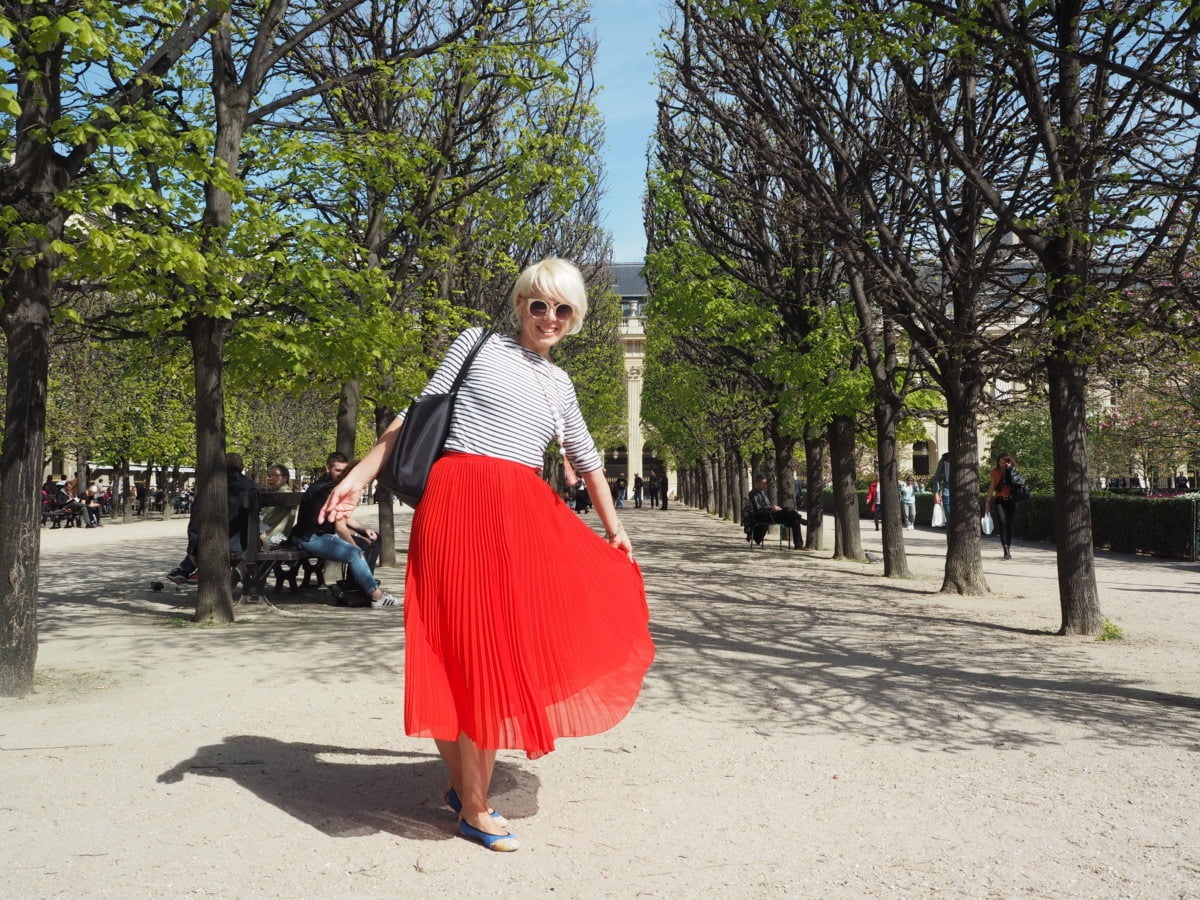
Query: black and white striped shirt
[(506, 406)]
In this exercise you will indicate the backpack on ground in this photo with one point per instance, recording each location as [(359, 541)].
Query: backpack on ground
[(349, 593)]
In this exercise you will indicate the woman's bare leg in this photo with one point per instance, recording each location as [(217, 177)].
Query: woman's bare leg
[(471, 775), (453, 760)]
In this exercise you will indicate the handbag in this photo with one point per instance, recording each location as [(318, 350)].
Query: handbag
[(1020, 487), (939, 516), (422, 439), (986, 524)]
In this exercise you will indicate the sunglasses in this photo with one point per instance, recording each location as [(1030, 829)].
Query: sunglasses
[(539, 308)]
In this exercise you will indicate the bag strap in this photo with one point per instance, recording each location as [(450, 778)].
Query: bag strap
[(462, 370)]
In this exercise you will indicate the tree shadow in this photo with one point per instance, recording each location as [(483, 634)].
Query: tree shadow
[(786, 648), (351, 791)]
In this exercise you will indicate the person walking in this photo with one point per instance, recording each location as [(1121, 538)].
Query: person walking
[(908, 503), (941, 486), (1001, 502), (521, 625), (873, 501)]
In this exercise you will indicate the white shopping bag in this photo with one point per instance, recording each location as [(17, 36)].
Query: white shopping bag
[(939, 516), (986, 524)]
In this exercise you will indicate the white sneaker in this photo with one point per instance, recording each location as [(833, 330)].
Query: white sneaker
[(386, 600)]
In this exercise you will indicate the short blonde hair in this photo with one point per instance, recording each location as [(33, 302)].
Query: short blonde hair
[(556, 280)]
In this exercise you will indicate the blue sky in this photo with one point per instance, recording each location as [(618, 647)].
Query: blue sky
[(627, 31)]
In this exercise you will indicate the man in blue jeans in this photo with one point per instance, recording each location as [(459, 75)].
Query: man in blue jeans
[(344, 541)]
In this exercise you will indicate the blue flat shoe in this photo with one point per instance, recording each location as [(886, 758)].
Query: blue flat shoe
[(455, 804), (501, 843)]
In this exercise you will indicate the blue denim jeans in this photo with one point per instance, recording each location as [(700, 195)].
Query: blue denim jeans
[(330, 546)]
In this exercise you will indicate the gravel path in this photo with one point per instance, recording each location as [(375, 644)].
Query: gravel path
[(810, 729)]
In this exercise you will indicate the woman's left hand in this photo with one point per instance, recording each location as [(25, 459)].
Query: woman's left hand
[(621, 541)]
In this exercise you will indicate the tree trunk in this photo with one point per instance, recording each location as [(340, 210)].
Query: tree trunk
[(214, 593), (126, 494), (347, 418), (814, 496), (739, 486), (1077, 592), (385, 505), (26, 323), (964, 568), (730, 507), (848, 537), (785, 490), (887, 419), (702, 487)]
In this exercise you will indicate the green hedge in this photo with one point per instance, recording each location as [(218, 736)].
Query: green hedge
[(1124, 524), (1161, 526)]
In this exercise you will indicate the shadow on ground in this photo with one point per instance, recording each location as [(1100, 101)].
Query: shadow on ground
[(350, 791), (785, 641)]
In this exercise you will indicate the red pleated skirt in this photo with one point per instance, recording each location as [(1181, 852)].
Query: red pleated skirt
[(521, 624)]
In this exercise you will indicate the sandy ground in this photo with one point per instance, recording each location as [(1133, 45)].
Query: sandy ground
[(809, 729)]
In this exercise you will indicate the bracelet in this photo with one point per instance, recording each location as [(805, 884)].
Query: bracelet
[(609, 535)]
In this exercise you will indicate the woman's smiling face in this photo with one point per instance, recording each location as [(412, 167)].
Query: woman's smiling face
[(544, 322)]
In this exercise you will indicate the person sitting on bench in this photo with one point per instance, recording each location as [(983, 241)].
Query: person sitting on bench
[(763, 512), (276, 521), (347, 541), (238, 485)]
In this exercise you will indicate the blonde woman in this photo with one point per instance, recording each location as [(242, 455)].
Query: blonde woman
[(522, 625)]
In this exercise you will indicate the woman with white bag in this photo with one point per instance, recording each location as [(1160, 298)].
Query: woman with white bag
[(1001, 504)]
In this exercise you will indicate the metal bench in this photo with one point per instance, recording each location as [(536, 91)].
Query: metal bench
[(57, 518), (256, 564)]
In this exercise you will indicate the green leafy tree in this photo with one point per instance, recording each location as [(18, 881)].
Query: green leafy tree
[(1148, 424), (76, 80), (1095, 184), (444, 174)]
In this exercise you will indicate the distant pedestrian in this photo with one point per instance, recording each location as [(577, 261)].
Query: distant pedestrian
[(1001, 501), (873, 503), (941, 485), (908, 503)]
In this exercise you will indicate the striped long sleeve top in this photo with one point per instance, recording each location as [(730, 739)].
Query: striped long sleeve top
[(510, 402)]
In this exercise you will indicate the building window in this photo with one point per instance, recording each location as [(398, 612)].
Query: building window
[(920, 458)]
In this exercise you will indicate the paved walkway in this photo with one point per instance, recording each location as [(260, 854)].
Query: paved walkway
[(809, 729)]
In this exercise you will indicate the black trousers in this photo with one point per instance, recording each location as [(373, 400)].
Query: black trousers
[(788, 518), (1002, 515)]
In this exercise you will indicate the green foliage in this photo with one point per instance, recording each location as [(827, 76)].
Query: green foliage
[(1123, 524), (1110, 631), (1159, 526), (1035, 519), (113, 400), (704, 338), (1152, 426), (594, 360)]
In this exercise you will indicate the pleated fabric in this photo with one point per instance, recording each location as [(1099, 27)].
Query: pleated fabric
[(521, 624)]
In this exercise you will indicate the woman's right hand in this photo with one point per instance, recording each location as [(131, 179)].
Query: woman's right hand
[(342, 500), (344, 496)]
